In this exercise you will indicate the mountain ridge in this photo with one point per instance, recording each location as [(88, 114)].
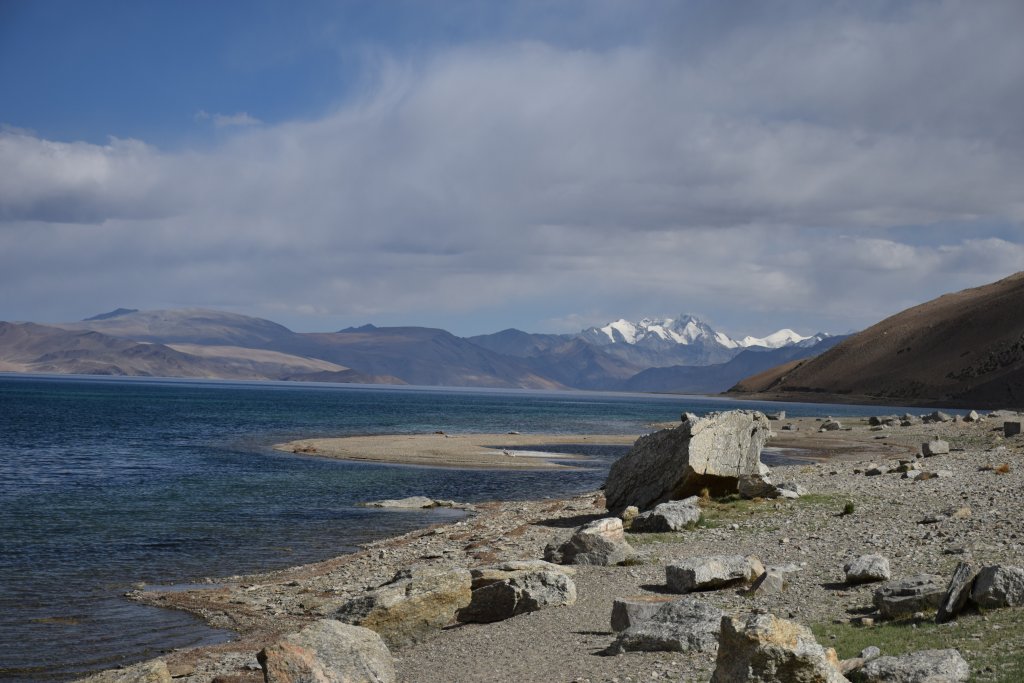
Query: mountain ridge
[(209, 343)]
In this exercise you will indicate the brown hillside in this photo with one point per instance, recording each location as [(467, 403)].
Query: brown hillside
[(965, 348)]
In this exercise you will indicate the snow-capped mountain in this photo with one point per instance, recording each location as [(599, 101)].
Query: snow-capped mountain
[(687, 330)]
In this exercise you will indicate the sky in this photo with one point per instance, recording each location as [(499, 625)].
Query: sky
[(475, 166)]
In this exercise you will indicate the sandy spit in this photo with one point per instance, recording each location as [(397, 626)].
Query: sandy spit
[(464, 451)]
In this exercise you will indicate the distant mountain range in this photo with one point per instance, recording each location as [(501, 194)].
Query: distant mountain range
[(962, 349), (680, 354)]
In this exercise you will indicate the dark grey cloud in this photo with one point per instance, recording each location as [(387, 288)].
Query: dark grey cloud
[(814, 170)]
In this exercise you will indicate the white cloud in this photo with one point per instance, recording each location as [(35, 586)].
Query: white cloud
[(765, 176)]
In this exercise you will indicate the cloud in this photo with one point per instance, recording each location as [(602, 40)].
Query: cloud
[(790, 169), (240, 119)]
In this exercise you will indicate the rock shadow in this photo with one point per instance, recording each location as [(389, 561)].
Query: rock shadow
[(570, 522)]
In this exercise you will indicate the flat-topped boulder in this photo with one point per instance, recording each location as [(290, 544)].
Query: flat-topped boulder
[(712, 572), (921, 593), (931, 666), (682, 625), (711, 452), (503, 591)]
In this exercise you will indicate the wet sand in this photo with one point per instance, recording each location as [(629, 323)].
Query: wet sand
[(464, 451)]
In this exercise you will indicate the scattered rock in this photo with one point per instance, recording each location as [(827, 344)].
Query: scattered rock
[(684, 625), (868, 568), (414, 502), (601, 542), (756, 486), (628, 515), (999, 586), (972, 416), (501, 594), (152, 671), (934, 447), (789, 489), (412, 606), (877, 470), (710, 452), (328, 651), (924, 666), (675, 515), (771, 582), (830, 426), (776, 416), (957, 593), (633, 610), (764, 648), (921, 593), (709, 573)]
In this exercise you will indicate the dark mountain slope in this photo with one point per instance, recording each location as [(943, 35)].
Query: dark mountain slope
[(965, 348)]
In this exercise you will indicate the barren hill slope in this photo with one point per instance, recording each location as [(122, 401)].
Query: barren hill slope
[(965, 348)]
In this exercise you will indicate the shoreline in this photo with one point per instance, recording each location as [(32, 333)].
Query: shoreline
[(259, 607)]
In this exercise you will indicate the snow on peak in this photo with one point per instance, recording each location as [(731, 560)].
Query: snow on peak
[(775, 340), (686, 330)]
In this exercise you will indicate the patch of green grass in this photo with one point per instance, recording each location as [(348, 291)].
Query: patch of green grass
[(653, 538), (994, 648)]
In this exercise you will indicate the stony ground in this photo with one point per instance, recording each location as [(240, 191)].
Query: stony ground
[(811, 534)]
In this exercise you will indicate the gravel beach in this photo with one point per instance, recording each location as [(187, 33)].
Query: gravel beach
[(929, 525)]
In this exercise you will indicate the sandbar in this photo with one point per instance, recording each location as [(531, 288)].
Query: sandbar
[(463, 451)]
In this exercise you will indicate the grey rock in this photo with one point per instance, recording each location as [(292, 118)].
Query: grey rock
[(830, 426), (675, 515), (938, 416), (868, 568), (631, 611), (601, 542), (999, 586), (869, 653), (328, 651), (710, 452), (877, 470), (153, 671), (520, 592), (415, 604), (957, 593), (924, 666), (763, 648), (776, 416), (934, 447), (684, 625), (790, 489), (971, 416), (921, 593), (756, 486), (709, 573), (412, 502), (769, 583)]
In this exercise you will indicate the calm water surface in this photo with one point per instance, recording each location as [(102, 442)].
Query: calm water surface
[(109, 483)]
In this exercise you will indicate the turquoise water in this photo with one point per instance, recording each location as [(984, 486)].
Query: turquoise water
[(106, 483)]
